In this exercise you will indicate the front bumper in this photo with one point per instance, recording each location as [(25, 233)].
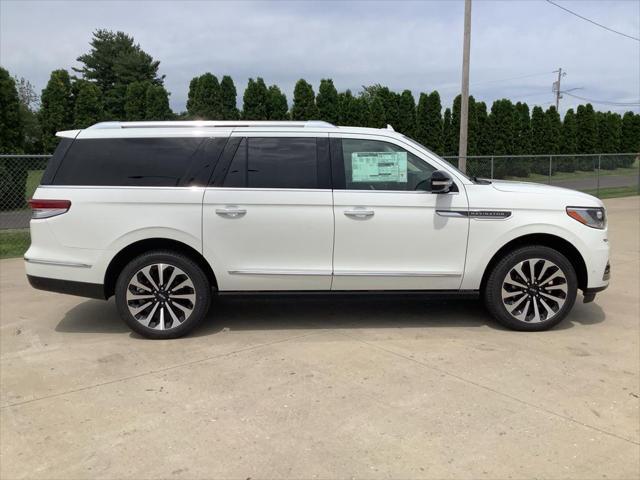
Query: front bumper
[(590, 293)]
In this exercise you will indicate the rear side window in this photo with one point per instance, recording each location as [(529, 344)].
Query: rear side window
[(156, 162), (276, 162)]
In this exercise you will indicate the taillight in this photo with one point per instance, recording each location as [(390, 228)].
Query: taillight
[(48, 208)]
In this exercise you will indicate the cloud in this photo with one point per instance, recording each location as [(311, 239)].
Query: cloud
[(414, 45)]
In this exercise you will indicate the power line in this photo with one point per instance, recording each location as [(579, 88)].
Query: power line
[(604, 102), (591, 21)]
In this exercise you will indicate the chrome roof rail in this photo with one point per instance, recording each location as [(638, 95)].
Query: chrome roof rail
[(214, 124)]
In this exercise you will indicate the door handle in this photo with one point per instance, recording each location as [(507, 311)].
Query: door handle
[(231, 212), (359, 213)]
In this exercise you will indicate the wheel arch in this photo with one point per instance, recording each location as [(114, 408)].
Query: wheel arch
[(547, 240), (128, 253)]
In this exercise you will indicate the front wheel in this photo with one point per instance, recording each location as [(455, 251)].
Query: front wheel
[(162, 294), (531, 289)]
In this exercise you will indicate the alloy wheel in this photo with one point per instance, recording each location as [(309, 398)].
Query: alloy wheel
[(161, 296), (534, 290)]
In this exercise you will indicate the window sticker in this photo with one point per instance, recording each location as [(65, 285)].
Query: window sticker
[(379, 167)]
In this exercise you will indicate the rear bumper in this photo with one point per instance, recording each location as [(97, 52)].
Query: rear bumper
[(81, 289)]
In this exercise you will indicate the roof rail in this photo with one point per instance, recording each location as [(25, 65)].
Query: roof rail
[(213, 123)]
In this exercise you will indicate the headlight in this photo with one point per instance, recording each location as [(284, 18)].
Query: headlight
[(590, 216)]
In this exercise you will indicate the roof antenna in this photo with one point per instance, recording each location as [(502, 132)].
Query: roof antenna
[(389, 127)]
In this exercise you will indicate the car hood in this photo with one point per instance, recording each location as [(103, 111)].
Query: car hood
[(547, 190)]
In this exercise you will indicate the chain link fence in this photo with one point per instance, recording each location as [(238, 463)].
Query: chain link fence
[(602, 175)]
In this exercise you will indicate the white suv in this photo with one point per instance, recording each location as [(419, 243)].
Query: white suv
[(164, 214)]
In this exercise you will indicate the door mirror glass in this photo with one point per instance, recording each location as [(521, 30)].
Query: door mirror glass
[(441, 182)]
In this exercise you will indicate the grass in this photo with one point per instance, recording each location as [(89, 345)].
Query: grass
[(540, 178), (614, 192), (13, 243), (33, 180)]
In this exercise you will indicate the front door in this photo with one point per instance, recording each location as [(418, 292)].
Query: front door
[(388, 235), (268, 217)]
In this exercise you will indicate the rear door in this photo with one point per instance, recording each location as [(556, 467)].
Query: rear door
[(268, 213)]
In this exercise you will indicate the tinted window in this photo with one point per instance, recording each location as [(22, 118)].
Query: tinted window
[(128, 162), (54, 162), (276, 162), (237, 174), (376, 165)]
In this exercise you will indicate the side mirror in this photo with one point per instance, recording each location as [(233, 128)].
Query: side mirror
[(441, 182)]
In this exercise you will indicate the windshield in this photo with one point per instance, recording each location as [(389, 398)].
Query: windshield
[(422, 147)]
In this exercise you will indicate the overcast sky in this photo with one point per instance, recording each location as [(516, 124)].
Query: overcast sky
[(401, 44)]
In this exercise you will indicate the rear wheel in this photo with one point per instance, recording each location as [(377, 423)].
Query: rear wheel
[(531, 289), (162, 294)]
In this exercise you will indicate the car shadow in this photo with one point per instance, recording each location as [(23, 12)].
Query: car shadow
[(289, 312)]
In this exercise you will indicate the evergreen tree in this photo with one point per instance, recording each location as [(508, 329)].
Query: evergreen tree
[(115, 61), (228, 98), (609, 135), (586, 134), (473, 131), (522, 140), (538, 143), (304, 102), (502, 131), (135, 101), (157, 103), (191, 97), (552, 131), (11, 124), (447, 133), (207, 102), (352, 110), (327, 102), (345, 108), (483, 140), (376, 114), (552, 137), (255, 100), (407, 116), (56, 112), (568, 142), (455, 125), (88, 108), (630, 137), (429, 121), (277, 107), (391, 105)]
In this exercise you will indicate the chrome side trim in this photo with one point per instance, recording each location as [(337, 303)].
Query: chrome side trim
[(56, 263), (476, 214), (451, 213), (260, 271), (364, 273)]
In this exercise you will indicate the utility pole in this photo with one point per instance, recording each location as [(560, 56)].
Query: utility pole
[(464, 100), (556, 87)]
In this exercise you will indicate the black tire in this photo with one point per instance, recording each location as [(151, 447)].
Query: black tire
[(192, 294), (537, 316)]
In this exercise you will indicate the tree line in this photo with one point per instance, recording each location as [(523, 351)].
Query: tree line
[(117, 80)]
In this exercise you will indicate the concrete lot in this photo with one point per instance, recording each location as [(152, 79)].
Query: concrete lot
[(306, 388)]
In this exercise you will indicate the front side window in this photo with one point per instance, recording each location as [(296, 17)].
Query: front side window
[(274, 162), (378, 165)]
